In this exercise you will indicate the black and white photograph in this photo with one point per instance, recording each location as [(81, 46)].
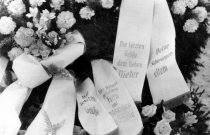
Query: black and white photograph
[(104, 67)]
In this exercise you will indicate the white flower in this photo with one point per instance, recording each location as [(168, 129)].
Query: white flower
[(63, 30), (14, 52), (179, 7), (57, 4), (46, 15), (44, 51), (34, 50), (24, 36), (33, 12), (17, 7), (86, 13), (6, 2), (201, 13), (35, 3), (191, 3), (29, 25), (53, 37), (191, 25), (42, 25), (168, 116), (107, 3), (53, 34), (162, 128), (149, 110), (39, 49), (65, 20), (80, 1), (190, 119), (7, 25)]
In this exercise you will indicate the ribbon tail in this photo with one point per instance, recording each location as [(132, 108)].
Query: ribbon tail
[(92, 115), (58, 109), (114, 96), (132, 45), (11, 103), (30, 74), (3, 65), (165, 79)]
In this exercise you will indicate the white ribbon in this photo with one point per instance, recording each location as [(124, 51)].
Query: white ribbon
[(165, 79), (92, 115), (133, 43), (114, 96), (3, 66), (137, 29), (30, 74), (15, 95), (58, 111)]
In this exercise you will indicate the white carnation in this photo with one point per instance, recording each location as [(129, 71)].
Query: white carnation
[(191, 25), (80, 1), (35, 3), (179, 7), (17, 7), (7, 25), (86, 13), (14, 52), (191, 3), (107, 3), (57, 4), (24, 37), (65, 20), (201, 13)]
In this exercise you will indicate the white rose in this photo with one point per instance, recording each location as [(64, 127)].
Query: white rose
[(149, 110), (168, 116), (107, 3), (162, 128)]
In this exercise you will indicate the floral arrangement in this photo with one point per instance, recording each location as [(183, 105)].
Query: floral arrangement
[(38, 27), (191, 118)]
